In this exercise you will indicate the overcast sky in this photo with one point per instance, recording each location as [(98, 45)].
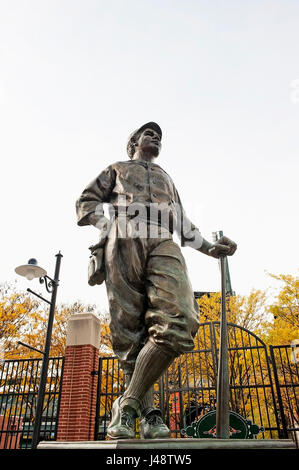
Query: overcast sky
[(222, 80)]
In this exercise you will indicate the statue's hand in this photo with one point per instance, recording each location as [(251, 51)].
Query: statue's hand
[(223, 247)]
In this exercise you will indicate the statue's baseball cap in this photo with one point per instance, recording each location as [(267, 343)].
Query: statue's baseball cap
[(134, 136)]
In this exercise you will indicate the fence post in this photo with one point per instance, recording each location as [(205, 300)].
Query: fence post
[(284, 431), (79, 383)]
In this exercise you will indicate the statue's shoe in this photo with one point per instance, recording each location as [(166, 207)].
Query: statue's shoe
[(122, 423), (152, 426)]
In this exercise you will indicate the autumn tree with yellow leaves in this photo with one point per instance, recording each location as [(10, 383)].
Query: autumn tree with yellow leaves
[(283, 330), (25, 318), (284, 310)]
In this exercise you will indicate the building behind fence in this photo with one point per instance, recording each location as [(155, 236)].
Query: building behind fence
[(263, 388)]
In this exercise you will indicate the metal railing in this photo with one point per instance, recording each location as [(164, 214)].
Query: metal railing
[(19, 382), (263, 389), (286, 373), (188, 388)]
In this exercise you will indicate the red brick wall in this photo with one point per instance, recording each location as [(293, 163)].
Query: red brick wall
[(78, 394)]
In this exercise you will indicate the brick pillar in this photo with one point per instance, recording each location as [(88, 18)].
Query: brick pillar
[(79, 387)]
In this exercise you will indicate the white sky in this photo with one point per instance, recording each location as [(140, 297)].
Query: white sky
[(76, 77)]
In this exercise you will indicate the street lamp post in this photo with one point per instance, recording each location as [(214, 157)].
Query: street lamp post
[(32, 271)]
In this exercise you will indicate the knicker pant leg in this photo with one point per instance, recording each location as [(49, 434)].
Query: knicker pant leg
[(125, 259), (172, 316)]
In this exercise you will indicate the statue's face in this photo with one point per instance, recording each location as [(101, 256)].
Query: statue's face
[(149, 141)]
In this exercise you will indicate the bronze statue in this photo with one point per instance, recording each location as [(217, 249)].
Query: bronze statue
[(154, 316)]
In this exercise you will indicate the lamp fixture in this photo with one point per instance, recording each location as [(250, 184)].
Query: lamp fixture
[(31, 270)]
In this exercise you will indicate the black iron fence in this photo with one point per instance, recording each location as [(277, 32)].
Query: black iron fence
[(286, 373), (19, 381), (263, 389), (187, 390)]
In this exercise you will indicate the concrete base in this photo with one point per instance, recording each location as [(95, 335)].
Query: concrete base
[(172, 444)]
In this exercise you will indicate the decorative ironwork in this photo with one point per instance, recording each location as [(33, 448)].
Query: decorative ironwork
[(49, 283), (239, 427)]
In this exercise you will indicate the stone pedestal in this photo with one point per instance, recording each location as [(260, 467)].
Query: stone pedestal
[(79, 385), (213, 444)]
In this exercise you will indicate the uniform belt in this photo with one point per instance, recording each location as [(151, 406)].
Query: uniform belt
[(151, 216)]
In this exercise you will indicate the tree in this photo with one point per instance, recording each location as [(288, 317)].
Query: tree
[(246, 311), (282, 330), (36, 333), (284, 324), (25, 318), (17, 310)]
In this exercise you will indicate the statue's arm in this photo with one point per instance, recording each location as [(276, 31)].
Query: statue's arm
[(89, 206), (191, 236), (188, 233)]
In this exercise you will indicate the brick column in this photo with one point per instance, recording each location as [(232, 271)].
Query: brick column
[(79, 387)]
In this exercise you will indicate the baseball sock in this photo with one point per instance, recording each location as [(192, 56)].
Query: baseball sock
[(151, 362), (148, 399)]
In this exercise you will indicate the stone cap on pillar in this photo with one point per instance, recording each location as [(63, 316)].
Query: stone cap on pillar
[(83, 328)]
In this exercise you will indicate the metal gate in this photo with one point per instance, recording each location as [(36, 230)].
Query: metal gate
[(187, 389), (286, 375), (19, 381)]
